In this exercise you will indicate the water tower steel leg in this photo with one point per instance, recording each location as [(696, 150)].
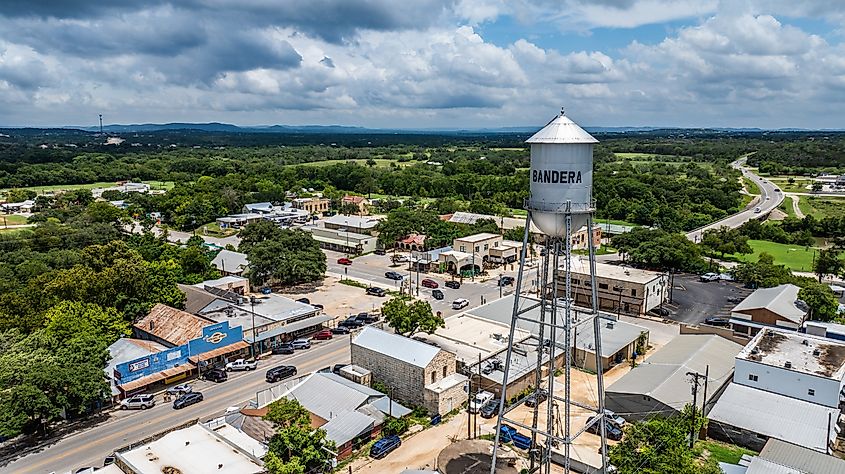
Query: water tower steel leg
[(503, 397), (597, 342), (538, 371), (567, 343)]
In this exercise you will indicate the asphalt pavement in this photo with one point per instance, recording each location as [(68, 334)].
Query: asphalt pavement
[(695, 300), (90, 446)]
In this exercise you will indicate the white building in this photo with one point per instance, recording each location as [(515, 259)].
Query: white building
[(796, 365)]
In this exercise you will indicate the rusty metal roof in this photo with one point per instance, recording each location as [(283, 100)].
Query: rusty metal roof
[(172, 325)]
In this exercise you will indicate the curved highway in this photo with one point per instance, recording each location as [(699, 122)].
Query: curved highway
[(770, 198)]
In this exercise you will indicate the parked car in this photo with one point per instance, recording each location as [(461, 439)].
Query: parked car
[(536, 398), (479, 400), (351, 322), (138, 402), (384, 446), (379, 251), (323, 335), (453, 284), (429, 283), (179, 389), (612, 417), (613, 432), (709, 277), (376, 291), (279, 373), (735, 299), (393, 275), (460, 303), (344, 261), (283, 348), (216, 375), (437, 294), (715, 321), (187, 399), (242, 364), (662, 312), (304, 300), (490, 409), (301, 344), (336, 368), (505, 280), (400, 258), (366, 318), (340, 330)]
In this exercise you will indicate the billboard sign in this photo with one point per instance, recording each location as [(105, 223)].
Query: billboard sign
[(151, 364), (215, 336)]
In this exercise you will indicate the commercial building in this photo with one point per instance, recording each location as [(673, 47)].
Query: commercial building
[(418, 373), (579, 237), (24, 206), (239, 221), (620, 289), (456, 262), (229, 262), (779, 457), (786, 386), (191, 448), (342, 241), (777, 307), (312, 205), (259, 208), (356, 224), (413, 242), (478, 244), (660, 386), (429, 259), (620, 339), (507, 252), (124, 350)]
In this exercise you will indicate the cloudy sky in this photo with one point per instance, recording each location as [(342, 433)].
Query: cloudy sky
[(424, 63)]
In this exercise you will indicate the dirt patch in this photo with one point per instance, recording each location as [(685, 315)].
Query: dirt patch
[(472, 456)]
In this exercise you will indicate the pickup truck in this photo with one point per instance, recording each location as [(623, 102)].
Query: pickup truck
[(242, 364)]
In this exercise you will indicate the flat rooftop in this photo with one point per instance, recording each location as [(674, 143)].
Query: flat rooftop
[(478, 237), (581, 265), (468, 336), (805, 353)]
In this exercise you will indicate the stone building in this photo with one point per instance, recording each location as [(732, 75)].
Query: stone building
[(414, 372)]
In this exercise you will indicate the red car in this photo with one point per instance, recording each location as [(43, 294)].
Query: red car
[(429, 283), (323, 335), (344, 261)]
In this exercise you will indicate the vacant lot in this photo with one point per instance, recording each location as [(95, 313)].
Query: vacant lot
[(795, 257), (821, 207), (12, 219)]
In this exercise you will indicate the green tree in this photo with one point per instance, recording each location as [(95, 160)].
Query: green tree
[(292, 257), (821, 300), (763, 273), (295, 448), (828, 262), (407, 319), (69, 318), (101, 211), (257, 232), (349, 209), (725, 240)]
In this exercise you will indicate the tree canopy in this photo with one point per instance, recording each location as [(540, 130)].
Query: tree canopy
[(408, 319), (295, 448), (281, 256)]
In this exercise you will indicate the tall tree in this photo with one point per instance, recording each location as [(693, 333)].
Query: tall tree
[(821, 300), (289, 258), (725, 240), (295, 448), (828, 262), (408, 319)]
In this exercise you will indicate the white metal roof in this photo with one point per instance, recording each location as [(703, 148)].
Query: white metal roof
[(230, 262), (396, 346), (347, 426), (779, 300), (663, 375), (359, 222), (478, 237), (562, 130), (776, 416), (581, 265), (801, 459)]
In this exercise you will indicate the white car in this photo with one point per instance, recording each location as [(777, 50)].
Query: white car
[(242, 364), (726, 277), (180, 389), (136, 402), (460, 303), (479, 400), (709, 277)]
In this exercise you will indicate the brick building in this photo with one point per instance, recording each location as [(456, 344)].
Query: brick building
[(414, 372)]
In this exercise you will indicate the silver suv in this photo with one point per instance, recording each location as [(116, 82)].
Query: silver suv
[(136, 402)]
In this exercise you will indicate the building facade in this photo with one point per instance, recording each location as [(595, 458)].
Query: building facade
[(355, 224), (620, 289), (312, 205), (776, 307)]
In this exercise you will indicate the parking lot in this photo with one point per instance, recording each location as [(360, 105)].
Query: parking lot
[(695, 300)]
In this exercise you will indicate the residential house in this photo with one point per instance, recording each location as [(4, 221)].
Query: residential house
[(786, 386), (24, 206), (229, 262), (777, 307), (415, 372), (660, 385), (360, 202), (620, 289)]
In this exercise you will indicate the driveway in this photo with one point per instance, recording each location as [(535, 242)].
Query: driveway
[(694, 300)]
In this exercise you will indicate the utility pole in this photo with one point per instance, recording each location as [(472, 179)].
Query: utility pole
[(694, 381)]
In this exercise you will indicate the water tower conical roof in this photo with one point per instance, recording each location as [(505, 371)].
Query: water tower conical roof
[(562, 130)]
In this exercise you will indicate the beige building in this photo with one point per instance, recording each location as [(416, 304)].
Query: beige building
[(621, 289), (312, 205), (360, 202), (340, 241), (414, 372)]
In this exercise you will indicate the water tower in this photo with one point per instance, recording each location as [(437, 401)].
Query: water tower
[(560, 205)]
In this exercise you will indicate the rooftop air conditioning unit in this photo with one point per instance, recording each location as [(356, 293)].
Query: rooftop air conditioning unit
[(788, 365)]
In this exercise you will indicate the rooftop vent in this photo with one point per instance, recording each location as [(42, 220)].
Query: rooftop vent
[(610, 325), (805, 342), (755, 351), (788, 365), (152, 325), (817, 352)]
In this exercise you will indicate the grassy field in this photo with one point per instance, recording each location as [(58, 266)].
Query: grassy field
[(750, 186), (213, 229), (786, 206), (12, 219), (821, 207), (165, 185), (795, 257), (642, 156), (801, 184), (722, 452)]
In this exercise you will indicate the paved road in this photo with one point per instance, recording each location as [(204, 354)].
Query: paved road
[(769, 199), (695, 300), (90, 446)]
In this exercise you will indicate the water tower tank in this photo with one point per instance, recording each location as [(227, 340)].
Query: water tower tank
[(561, 172)]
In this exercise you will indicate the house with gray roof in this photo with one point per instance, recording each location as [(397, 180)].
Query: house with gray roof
[(413, 371), (230, 263), (660, 385), (777, 307)]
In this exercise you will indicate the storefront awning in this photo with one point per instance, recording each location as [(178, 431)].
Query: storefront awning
[(219, 352), (152, 378)]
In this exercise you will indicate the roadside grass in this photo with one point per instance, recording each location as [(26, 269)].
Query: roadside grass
[(721, 452), (213, 229), (12, 219), (821, 207), (750, 186), (800, 185), (795, 257), (786, 206)]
